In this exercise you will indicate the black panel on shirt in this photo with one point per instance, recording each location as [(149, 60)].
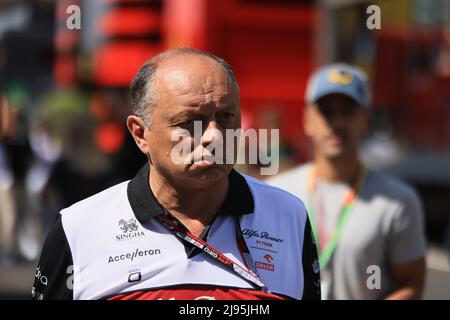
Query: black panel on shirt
[(311, 269), (54, 274)]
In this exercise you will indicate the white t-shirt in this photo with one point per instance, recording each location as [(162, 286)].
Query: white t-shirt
[(385, 227)]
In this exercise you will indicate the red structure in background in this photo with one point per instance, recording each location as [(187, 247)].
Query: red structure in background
[(130, 33), (66, 47), (269, 45), (408, 85)]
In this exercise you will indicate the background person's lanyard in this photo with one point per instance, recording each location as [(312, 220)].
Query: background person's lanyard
[(327, 243), (249, 275)]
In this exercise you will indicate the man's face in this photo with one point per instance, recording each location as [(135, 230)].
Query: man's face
[(336, 125), (192, 88)]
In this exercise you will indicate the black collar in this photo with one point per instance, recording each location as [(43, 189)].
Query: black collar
[(239, 198)]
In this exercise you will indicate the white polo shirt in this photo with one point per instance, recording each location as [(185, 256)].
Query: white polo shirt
[(118, 249)]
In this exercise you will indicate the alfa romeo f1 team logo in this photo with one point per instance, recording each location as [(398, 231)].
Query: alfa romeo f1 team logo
[(130, 230)]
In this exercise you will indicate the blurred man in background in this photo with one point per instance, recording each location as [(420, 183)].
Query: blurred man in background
[(7, 209), (369, 227)]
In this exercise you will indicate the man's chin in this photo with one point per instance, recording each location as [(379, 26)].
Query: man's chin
[(205, 173), (334, 152)]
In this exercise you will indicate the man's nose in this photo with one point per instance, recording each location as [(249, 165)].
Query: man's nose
[(211, 134), (337, 120)]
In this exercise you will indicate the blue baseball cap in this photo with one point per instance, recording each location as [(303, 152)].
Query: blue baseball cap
[(338, 78)]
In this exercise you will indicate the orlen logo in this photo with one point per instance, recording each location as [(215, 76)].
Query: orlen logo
[(265, 266), (129, 230)]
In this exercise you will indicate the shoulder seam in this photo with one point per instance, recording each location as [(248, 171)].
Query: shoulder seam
[(268, 186)]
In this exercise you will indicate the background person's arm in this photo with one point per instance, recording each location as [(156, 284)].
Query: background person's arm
[(409, 278), (407, 249)]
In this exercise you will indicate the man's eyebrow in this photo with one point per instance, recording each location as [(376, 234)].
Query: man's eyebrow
[(228, 104), (184, 114), (195, 108)]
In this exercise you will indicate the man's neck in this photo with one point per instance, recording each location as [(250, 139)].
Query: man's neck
[(195, 208), (341, 169)]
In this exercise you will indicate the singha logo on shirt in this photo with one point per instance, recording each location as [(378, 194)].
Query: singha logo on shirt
[(129, 226), (130, 230)]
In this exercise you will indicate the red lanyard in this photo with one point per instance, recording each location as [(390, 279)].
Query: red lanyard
[(249, 275)]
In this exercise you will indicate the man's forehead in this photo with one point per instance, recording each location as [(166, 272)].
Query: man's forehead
[(337, 98), (190, 65), (336, 102), (174, 79), (190, 74)]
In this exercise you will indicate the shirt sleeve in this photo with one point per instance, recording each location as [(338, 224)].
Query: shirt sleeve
[(54, 273), (311, 268), (407, 238)]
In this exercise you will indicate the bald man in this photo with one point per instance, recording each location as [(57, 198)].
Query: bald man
[(187, 226)]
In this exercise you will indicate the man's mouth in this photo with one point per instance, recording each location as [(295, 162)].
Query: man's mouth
[(336, 139), (206, 160)]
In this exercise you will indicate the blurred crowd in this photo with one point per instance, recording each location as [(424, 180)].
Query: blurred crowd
[(54, 157)]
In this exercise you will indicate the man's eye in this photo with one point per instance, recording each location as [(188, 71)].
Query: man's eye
[(228, 115), (349, 111), (189, 123)]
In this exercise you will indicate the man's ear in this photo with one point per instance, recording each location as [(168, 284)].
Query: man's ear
[(307, 120), (367, 124), (137, 129)]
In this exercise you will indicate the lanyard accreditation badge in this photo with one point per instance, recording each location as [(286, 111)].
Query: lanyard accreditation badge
[(248, 274), (327, 242)]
